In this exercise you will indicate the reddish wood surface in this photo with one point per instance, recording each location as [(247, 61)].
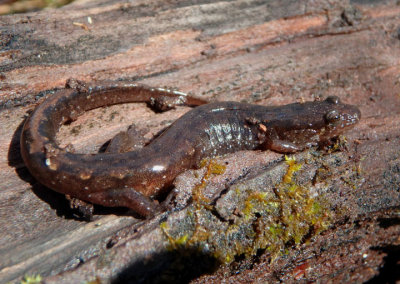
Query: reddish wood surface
[(264, 52)]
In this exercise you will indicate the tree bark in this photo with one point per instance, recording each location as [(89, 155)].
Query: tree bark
[(265, 52)]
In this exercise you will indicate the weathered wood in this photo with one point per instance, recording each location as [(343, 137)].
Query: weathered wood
[(265, 52)]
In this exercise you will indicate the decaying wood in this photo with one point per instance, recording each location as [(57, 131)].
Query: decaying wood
[(264, 52)]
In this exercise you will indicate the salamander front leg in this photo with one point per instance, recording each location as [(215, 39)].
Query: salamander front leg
[(272, 142), (283, 146)]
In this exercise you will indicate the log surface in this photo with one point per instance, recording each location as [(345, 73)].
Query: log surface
[(265, 52)]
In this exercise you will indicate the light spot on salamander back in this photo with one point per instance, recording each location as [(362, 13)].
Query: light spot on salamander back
[(117, 174), (85, 175), (158, 168), (52, 166)]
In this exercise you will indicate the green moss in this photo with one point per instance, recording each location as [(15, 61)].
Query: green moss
[(212, 168), (174, 242), (33, 279), (340, 144), (270, 220)]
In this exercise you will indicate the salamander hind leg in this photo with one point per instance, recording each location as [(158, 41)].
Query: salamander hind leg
[(83, 208), (161, 104), (125, 141), (165, 101), (127, 197)]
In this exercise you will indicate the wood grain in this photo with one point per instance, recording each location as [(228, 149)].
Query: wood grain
[(264, 52)]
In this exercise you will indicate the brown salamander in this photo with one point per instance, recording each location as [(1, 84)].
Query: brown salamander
[(134, 178)]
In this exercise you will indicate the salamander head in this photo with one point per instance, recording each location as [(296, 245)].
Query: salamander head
[(313, 122), (338, 117)]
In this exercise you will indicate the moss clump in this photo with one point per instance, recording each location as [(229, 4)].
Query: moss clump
[(271, 220), (339, 145), (199, 234), (286, 217), (33, 279), (212, 168), (174, 242)]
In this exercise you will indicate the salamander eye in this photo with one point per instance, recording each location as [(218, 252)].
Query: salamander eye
[(332, 116), (333, 99)]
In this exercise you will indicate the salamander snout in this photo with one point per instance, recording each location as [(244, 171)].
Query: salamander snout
[(351, 115), (342, 116)]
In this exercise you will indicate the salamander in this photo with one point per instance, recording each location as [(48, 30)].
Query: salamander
[(134, 179)]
